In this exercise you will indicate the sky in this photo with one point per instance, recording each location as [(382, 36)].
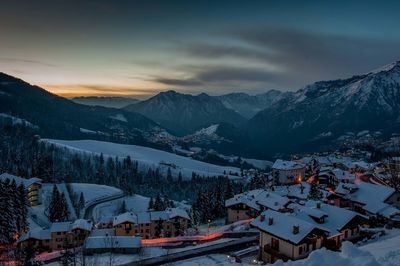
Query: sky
[(139, 48)]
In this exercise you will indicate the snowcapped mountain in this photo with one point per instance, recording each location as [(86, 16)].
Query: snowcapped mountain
[(56, 116), (327, 109), (112, 102), (248, 105), (183, 113)]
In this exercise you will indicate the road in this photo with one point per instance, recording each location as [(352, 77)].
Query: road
[(90, 206)]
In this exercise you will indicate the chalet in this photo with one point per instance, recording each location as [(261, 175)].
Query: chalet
[(341, 224), (37, 238), (114, 244), (286, 237), (250, 204), (243, 206), (33, 186), (68, 235), (171, 222), (105, 222), (368, 199), (288, 172)]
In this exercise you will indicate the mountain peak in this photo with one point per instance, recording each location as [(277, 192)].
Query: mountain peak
[(386, 68)]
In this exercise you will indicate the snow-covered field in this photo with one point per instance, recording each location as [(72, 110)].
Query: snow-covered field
[(147, 157), (92, 192)]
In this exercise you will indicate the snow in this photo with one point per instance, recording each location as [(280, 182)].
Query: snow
[(98, 242), (283, 224), (349, 256), (260, 164), (87, 131), (93, 192), (287, 165), (17, 120), (386, 251), (147, 157), (119, 117), (208, 130), (27, 182), (212, 259)]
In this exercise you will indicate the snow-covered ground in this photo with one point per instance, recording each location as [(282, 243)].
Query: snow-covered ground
[(39, 211), (92, 192), (147, 157)]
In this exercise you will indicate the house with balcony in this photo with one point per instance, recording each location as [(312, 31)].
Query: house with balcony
[(341, 224), (33, 186), (286, 237)]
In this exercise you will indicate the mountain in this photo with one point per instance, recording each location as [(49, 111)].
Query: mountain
[(112, 102), (249, 105), (183, 113), (325, 110), (58, 117)]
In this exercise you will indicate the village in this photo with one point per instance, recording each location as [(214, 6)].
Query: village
[(305, 204)]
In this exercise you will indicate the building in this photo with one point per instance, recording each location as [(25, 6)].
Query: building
[(154, 224), (69, 234), (250, 204), (288, 172), (33, 186), (341, 224), (39, 239), (243, 206), (286, 237), (114, 244), (368, 199)]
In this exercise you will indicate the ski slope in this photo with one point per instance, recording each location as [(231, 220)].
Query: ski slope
[(147, 157)]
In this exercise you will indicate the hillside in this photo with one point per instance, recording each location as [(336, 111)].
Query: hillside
[(147, 157), (321, 112), (58, 117), (249, 105), (183, 114)]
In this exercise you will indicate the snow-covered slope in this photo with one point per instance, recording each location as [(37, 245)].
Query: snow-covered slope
[(147, 157), (325, 110)]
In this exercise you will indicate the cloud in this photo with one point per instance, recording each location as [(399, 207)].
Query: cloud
[(290, 57), (178, 82), (18, 60)]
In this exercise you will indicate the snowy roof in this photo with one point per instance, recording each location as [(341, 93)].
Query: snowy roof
[(60, 227), (106, 220), (272, 200), (177, 212), (82, 224), (362, 165), (283, 224), (158, 215), (366, 193), (37, 233), (287, 165), (335, 218), (247, 198), (19, 180), (343, 175), (127, 217), (112, 242), (143, 217), (295, 191)]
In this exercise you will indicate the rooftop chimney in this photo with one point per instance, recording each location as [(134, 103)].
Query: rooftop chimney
[(262, 217), (318, 205), (296, 229), (270, 221)]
